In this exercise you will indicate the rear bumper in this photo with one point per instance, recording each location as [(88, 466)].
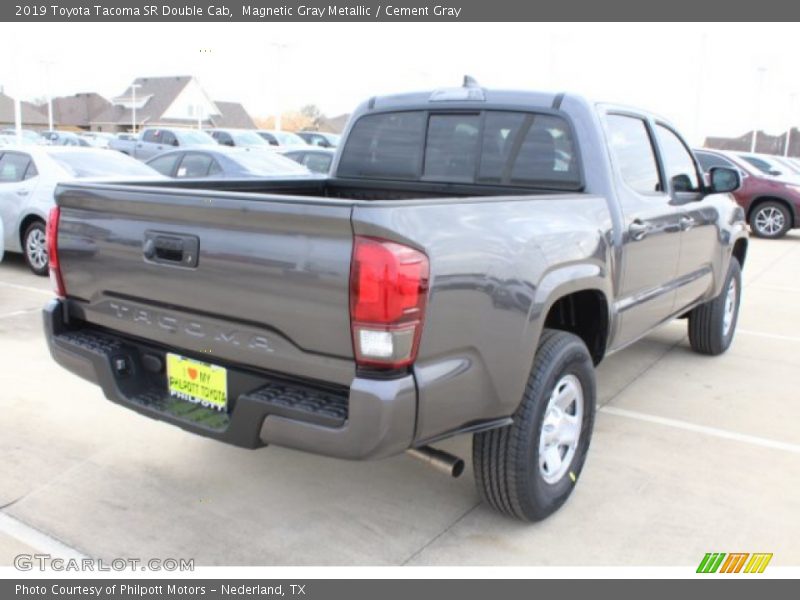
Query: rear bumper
[(371, 419)]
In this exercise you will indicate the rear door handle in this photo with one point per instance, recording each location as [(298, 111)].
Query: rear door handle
[(638, 230), (687, 222), (22, 192)]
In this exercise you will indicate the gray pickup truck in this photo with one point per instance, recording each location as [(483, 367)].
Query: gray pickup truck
[(473, 256), (152, 141)]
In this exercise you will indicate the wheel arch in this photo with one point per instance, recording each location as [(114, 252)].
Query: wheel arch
[(26, 222), (585, 313), (739, 251)]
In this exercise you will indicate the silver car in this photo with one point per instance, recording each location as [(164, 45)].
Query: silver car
[(28, 177)]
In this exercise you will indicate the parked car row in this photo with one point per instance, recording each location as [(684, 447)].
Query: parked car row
[(316, 153), (770, 190), (29, 175)]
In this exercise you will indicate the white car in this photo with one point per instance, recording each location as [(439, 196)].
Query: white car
[(28, 177)]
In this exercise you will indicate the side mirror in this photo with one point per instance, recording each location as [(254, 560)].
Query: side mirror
[(724, 179), (775, 173), (175, 142)]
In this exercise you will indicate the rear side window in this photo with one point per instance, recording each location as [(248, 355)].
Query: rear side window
[(13, 167), (385, 146), (491, 147), (630, 144)]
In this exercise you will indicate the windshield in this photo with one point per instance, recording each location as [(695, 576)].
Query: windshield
[(790, 165), (101, 164), (27, 135), (248, 138), (195, 138), (765, 166), (286, 138), (264, 163)]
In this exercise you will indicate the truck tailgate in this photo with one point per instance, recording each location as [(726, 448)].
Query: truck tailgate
[(246, 278)]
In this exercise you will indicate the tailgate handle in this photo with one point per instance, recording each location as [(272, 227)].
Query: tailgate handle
[(171, 248)]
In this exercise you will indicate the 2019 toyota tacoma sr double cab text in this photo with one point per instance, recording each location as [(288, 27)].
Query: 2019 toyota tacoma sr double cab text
[(472, 257)]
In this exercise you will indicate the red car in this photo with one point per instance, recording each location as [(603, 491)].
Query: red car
[(771, 202)]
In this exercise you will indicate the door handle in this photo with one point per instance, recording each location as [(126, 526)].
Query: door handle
[(638, 230), (687, 222), (171, 248), (22, 192)]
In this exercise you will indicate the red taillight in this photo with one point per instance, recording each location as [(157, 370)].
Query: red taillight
[(388, 290), (51, 234)]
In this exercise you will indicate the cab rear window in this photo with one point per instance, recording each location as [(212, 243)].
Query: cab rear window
[(485, 147)]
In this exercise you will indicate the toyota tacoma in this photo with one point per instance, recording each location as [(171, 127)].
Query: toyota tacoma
[(470, 259)]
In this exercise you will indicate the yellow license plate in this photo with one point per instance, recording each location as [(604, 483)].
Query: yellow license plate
[(197, 382)]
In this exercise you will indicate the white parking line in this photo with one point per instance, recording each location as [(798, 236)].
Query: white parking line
[(774, 336), (713, 431), (36, 539), (27, 288)]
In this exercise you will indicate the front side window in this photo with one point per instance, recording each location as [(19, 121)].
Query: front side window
[(168, 138), (678, 163), (165, 164), (318, 163), (630, 144), (194, 165), (152, 136)]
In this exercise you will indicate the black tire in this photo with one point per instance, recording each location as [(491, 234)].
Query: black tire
[(506, 460), (35, 235), (770, 228), (707, 322)]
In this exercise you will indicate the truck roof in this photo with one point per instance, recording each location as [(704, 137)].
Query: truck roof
[(470, 94), (465, 94)]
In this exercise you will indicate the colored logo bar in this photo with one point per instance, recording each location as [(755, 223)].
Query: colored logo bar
[(734, 562)]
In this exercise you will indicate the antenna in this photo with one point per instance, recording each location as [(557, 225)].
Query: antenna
[(470, 82)]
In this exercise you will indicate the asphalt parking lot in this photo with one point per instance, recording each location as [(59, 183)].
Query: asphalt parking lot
[(690, 455)]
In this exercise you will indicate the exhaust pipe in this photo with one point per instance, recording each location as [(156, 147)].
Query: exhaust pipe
[(438, 459)]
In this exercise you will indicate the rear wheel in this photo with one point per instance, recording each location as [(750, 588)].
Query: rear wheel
[(713, 324), (528, 470), (34, 245), (770, 219)]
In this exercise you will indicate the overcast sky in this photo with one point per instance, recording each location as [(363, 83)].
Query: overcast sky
[(703, 77)]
